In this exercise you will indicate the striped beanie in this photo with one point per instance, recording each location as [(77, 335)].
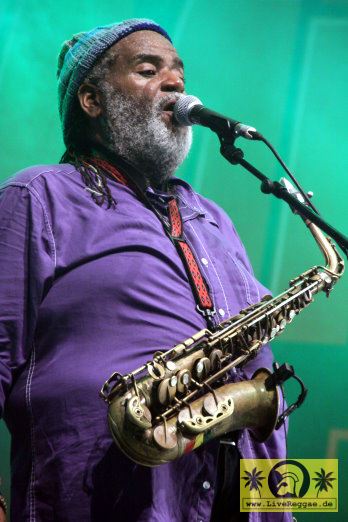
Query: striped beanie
[(78, 56)]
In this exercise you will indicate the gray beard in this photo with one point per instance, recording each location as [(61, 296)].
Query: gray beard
[(136, 131)]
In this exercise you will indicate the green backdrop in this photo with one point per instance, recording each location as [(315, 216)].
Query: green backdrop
[(280, 65)]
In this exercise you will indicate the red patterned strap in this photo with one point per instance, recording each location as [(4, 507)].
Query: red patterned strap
[(201, 292), (105, 165), (175, 219)]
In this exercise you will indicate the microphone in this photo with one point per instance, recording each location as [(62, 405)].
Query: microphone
[(189, 110)]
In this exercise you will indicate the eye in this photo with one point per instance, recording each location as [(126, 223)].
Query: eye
[(147, 72)]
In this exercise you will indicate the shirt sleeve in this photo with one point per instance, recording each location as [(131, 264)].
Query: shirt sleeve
[(26, 270)]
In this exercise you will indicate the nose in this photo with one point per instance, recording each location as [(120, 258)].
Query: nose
[(172, 81)]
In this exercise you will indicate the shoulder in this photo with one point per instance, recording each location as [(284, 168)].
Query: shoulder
[(44, 184), (40, 192), (38, 174), (217, 215)]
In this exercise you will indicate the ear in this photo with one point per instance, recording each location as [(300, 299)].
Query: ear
[(89, 99)]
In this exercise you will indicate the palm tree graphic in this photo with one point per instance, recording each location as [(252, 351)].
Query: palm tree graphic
[(253, 480), (323, 480)]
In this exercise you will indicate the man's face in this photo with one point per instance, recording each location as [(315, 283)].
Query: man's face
[(147, 68), (143, 79)]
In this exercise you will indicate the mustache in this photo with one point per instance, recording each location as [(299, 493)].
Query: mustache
[(115, 97), (166, 100)]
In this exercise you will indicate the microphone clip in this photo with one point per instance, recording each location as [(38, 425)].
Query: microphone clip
[(228, 149)]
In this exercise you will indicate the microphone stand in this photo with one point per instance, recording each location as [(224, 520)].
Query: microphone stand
[(236, 157)]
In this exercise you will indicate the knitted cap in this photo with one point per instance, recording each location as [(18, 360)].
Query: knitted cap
[(78, 56)]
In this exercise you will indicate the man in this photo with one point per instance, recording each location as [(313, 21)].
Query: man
[(92, 283)]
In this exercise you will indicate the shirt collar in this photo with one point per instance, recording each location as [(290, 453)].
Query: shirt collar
[(188, 200)]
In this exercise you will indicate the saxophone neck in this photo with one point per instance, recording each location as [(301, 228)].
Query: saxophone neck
[(333, 261)]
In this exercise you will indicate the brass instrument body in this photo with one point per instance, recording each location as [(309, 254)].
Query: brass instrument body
[(185, 396), (240, 402)]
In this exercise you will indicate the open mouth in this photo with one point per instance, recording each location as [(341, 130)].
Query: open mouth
[(168, 107)]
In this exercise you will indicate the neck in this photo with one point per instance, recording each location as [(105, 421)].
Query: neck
[(129, 169)]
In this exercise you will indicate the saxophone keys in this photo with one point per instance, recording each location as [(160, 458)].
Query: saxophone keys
[(156, 370), (291, 315), (215, 360), (266, 297), (184, 380), (308, 298), (209, 405), (165, 437), (202, 368), (201, 424), (283, 324), (326, 278), (184, 414), (274, 331), (166, 390), (138, 413)]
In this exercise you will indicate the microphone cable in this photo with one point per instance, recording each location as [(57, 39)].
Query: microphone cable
[(258, 136)]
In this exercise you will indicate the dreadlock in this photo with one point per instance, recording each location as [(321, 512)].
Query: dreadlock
[(79, 152), (93, 176)]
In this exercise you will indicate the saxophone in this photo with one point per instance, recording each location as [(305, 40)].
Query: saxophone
[(184, 397)]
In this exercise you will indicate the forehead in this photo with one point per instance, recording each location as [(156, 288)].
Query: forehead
[(146, 43)]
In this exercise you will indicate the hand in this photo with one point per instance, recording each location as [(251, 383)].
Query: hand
[(2, 515)]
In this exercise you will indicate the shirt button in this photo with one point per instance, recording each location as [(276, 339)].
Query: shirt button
[(221, 312), (206, 484), (205, 261)]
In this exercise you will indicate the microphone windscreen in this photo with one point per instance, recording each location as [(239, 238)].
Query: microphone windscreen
[(183, 107)]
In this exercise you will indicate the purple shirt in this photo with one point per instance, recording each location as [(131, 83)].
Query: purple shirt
[(86, 291)]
